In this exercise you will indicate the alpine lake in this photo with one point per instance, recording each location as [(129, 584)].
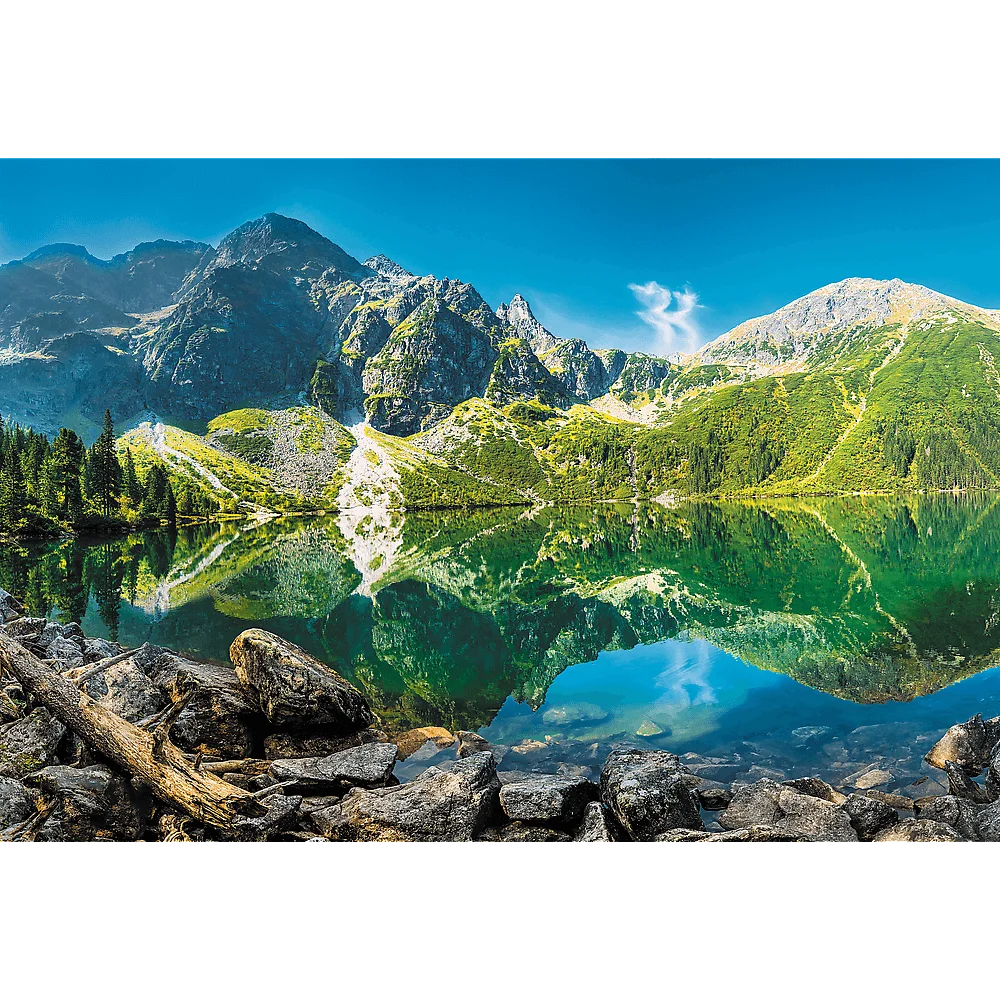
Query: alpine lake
[(817, 636)]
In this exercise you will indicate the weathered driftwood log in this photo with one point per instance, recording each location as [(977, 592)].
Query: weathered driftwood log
[(147, 756)]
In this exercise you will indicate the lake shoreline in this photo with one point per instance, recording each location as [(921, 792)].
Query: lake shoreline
[(666, 500), (327, 768)]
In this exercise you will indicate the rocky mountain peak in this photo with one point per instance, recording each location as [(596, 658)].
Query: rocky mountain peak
[(788, 335), (60, 251), (282, 244), (519, 317), (387, 268)]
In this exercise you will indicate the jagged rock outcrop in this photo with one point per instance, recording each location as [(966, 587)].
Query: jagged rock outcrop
[(433, 360), (519, 375), (518, 316), (387, 268), (585, 373)]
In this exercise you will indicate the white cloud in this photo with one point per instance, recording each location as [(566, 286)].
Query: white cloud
[(671, 314)]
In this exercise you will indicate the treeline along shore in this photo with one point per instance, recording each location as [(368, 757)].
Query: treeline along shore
[(48, 487)]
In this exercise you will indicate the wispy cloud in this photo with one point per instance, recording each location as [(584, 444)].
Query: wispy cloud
[(671, 314)]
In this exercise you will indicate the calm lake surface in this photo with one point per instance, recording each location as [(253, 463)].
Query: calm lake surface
[(813, 637)]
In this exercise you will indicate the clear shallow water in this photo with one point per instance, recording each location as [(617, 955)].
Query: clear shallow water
[(816, 637)]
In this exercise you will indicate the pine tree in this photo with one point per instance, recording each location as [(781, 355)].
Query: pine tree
[(131, 486), (104, 470), (12, 495), (65, 472), (36, 450), (171, 514), (159, 498)]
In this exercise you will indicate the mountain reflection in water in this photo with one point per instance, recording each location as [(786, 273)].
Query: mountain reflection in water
[(700, 627)]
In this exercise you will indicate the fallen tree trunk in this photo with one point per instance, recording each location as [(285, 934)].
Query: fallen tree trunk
[(148, 756)]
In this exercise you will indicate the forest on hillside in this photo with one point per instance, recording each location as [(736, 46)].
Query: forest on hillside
[(50, 486)]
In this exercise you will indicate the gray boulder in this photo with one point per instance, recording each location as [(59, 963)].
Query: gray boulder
[(67, 653), (549, 799), (912, 830), (367, 766), (968, 745), (10, 607), (816, 787), (217, 721), (100, 649), (123, 688), (25, 630), (29, 743), (293, 688), (531, 833), (594, 828), (282, 814), (453, 804), (15, 802), (749, 834), (987, 822), (960, 814), (647, 793), (317, 743), (964, 787), (87, 803), (869, 816), (766, 803)]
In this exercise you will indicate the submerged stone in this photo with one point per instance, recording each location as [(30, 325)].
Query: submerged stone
[(411, 741)]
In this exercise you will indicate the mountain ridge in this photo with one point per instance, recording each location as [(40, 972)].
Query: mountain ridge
[(861, 384)]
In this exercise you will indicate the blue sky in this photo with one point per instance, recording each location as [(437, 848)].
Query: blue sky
[(645, 254)]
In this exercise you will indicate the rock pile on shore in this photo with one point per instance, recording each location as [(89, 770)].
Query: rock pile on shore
[(289, 735)]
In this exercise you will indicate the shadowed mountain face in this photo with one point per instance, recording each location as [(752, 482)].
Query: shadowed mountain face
[(208, 330), (871, 600)]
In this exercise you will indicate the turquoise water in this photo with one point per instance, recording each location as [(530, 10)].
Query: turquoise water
[(807, 638)]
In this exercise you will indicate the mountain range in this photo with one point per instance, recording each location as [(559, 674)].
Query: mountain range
[(278, 370)]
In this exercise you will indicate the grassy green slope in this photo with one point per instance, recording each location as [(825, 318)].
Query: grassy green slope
[(874, 409)]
